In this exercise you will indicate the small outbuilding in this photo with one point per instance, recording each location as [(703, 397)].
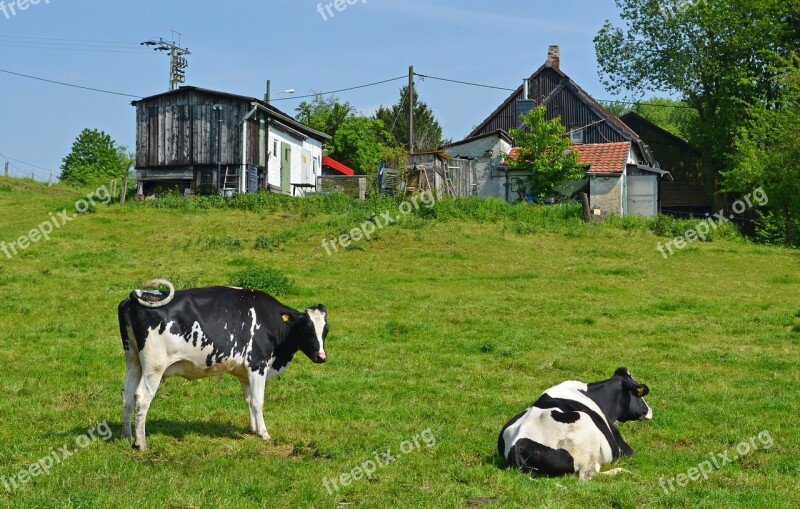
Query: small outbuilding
[(199, 141)]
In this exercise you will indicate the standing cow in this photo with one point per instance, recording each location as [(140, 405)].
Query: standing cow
[(204, 332), (570, 428)]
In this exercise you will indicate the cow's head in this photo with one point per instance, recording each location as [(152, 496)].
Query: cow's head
[(633, 393), (310, 329)]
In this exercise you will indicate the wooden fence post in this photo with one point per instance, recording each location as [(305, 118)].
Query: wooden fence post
[(587, 213), (124, 190)]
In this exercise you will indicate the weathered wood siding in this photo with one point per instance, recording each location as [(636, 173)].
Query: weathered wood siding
[(181, 130), (562, 101)]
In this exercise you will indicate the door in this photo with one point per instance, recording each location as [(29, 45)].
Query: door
[(286, 167), (642, 195)]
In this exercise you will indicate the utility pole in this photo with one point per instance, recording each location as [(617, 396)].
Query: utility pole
[(178, 63), (6, 168), (411, 109), (268, 96)]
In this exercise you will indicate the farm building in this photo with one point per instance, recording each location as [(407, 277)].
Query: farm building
[(492, 177), (691, 192), (201, 141), (588, 123), (438, 172)]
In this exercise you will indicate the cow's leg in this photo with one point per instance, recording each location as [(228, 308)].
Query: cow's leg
[(588, 471), (615, 471), (257, 385), (148, 385), (133, 374), (248, 398)]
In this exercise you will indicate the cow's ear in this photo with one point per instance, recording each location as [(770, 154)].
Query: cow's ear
[(641, 390), (288, 318), (623, 372), (322, 308)]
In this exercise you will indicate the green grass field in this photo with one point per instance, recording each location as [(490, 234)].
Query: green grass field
[(439, 328)]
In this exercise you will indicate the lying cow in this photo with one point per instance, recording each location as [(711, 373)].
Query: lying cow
[(570, 428), (204, 332)]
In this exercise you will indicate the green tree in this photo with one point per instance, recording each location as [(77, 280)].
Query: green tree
[(767, 155), (544, 150), (714, 55), (325, 115), (359, 143), (672, 115), (427, 131), (95, 158)]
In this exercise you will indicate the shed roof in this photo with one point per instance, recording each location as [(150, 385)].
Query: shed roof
[(272, 110), (336, 165)]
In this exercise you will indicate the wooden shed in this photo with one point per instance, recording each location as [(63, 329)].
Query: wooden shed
[(203, 141)]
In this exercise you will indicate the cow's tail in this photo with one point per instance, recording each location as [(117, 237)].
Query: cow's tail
[(151, 299)]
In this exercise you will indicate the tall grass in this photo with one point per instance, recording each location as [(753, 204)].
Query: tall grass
[(344, 212)]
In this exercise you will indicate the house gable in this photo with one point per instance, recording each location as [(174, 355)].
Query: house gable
[(549, 86)]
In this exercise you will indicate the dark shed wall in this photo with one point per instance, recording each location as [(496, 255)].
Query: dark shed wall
[(181, 130)]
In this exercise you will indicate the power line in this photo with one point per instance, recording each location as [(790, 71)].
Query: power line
[(23, 162), (341, 90), (423, 76), (514, 90), (90, 49), (68, 40), (647, 104), (69, 84)]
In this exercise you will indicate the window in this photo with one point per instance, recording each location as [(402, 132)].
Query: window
[(275, 148), (576, 134)]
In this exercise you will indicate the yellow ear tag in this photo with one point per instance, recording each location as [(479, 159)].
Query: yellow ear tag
[(640, 391), (286, 317)]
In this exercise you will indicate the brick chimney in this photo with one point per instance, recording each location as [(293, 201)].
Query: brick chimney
[(554, 57)]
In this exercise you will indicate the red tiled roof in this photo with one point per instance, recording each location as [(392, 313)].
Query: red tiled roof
[(336, 165), (604, 157), (599, 157)]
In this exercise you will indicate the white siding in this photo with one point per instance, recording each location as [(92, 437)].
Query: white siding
[(312, 149)]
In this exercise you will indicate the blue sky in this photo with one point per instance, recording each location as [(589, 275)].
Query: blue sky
[(235, 46)]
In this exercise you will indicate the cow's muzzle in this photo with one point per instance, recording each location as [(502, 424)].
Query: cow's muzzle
[(320, 358)]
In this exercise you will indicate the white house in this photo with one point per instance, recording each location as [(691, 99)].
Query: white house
[(295, 155)]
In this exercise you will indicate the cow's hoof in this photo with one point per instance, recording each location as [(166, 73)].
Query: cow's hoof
[(264, 436), (139, 447)]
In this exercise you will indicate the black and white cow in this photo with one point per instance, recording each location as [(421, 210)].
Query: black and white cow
[(202, 332), (570, 428)]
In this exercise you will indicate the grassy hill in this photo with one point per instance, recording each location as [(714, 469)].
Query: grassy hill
[(444, 325)]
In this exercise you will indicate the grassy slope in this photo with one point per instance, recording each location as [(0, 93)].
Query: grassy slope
[(453, 327)]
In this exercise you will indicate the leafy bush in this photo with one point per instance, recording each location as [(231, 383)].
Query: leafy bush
[(5, 188), (268, 280)]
